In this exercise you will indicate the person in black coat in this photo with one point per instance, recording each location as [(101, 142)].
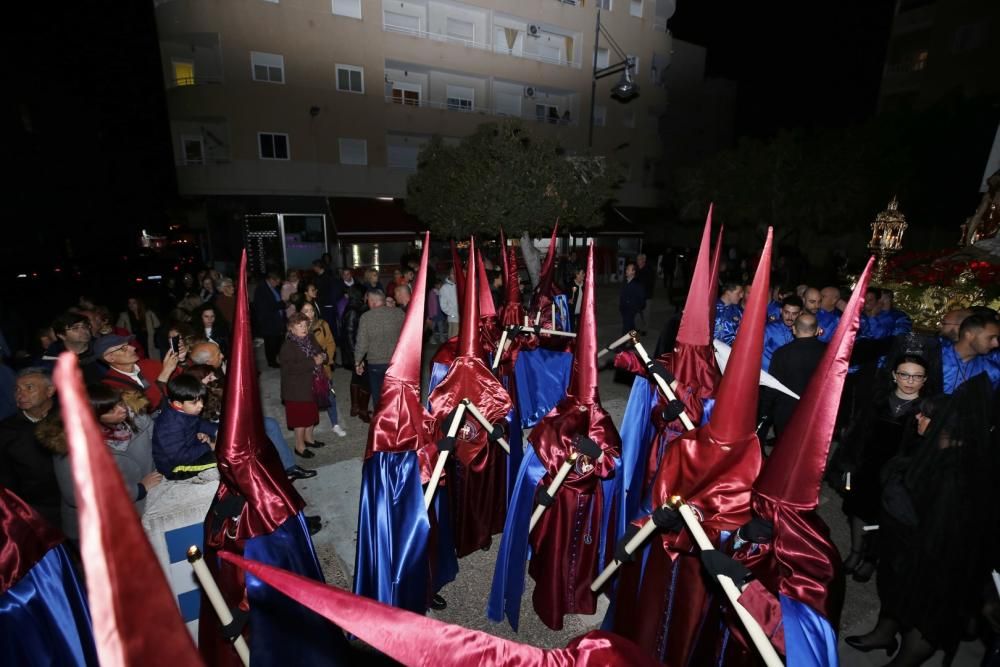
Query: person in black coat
[(269, 316), (793, 365), (632, 298)]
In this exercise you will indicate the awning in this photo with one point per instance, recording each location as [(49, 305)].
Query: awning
[(365, 220)]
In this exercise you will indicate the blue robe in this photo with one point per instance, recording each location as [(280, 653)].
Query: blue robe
[(956, 372), (776, 334), (727, 322), (542, 377), (827, 321), (774, 311)]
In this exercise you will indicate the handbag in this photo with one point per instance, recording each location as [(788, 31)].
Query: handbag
[(321, 390)]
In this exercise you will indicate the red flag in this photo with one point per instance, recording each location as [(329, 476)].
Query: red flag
[(135, 617)]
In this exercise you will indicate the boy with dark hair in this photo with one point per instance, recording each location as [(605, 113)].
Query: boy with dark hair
[(183, 442)]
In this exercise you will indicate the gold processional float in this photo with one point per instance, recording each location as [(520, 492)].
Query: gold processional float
[(927, 284)]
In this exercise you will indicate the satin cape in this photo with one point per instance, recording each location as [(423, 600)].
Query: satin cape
[(542, 377)]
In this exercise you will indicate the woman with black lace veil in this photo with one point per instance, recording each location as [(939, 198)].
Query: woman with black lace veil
[(939, 525), (874, 438)]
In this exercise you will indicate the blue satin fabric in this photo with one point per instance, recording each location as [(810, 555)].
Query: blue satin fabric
[(542, 377), (563, 320), (776, 334), (637, 433), (827, 321), (956, 372), (393, 532), (284, 631), (44, 618), (446, 559), (438, 371), (515, 438), (773, 311), (809, 639), (515, 548), (514, 551), (727, 322)]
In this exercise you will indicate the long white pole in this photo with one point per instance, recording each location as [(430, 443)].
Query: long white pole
[(456, 422), (664, 387), (214, 596), (647, 529), (553, 488), (500, 350), (481, 418), (617, 343)]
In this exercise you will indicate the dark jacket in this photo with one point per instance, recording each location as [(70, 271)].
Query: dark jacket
[(268, 311), (646, 276), (296, 372), (26, 466), (177, 452), (632, 298), (792, 365), (91, 369), (349, 324)]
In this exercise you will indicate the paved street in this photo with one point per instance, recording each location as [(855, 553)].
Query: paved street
[(333, 494)]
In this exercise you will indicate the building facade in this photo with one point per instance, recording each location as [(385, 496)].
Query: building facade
[(280, 109)]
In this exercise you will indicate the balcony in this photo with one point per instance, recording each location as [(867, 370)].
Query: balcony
[(191, 59)]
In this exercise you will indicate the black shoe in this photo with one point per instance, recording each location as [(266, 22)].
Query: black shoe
[(298, 472), (852, 562), (315, 444), (306, 453), (274, 365), (857, 643), (438, 603), (314, 524), (863, 572)]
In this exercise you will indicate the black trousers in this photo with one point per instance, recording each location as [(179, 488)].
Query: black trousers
[(272, 345)]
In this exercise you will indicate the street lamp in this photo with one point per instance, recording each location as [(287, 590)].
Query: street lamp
[(625, 89)]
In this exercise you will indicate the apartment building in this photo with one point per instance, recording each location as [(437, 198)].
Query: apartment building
[(282, 111)]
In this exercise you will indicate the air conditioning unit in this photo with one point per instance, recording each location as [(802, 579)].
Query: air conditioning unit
[(529, 91), (534, 31)]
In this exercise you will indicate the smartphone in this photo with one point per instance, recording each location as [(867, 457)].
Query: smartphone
[(175, 344)]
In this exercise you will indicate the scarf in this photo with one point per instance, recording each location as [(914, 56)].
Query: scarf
[(308, 348)]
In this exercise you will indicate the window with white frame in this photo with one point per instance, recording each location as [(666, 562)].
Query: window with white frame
[(507, 104), (272, 146), (350, 79), (604, 4), (406, 93), (600, 116), (508, 40), (268, 67), (635, 8), (549, 53), (401, 22), (402, 157), (351, 8), (192, 149), (458, 29), (603, 57), (460, 98), (353, 151)]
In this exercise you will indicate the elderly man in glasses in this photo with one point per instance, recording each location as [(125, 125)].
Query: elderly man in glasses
[(129, 374)]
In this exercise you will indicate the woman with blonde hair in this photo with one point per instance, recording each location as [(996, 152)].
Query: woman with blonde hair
[(320, 331)]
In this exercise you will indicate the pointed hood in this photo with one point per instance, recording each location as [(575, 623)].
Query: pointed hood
[(456, 262), (547, 274), (735, 414), (468, 332), (400, 419), (413, 639), (486, 307), (512, 281), (583, 379), (134, 613), (694, 328), (713, 292), (794, 471), (248, 463)]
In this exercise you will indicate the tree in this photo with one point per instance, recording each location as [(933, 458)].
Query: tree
[(503, 175)]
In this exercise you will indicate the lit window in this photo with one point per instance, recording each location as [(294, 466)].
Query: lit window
[(183, 72), (350, 79), (635, 8), (272, 146), (350, 8), (406, 93), (353, 151), (269, 67)]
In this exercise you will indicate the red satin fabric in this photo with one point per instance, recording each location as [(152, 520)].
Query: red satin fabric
[(565, 541), (27, 538), (766, 609), (406, 357), (214, 648), (486, 307), (478, 485), (456, 262), (695, 328), (134, 614), (412, 639), (695, 367), (248, 463), (401, 423)]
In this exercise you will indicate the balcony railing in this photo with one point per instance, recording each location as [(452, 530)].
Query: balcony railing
[(482, 110), (477, 44), (197, 80)]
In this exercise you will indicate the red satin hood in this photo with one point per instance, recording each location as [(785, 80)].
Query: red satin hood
[(28, 537), (553, 437), (402, 423)]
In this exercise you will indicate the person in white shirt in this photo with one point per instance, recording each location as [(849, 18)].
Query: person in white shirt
[(449, 303)]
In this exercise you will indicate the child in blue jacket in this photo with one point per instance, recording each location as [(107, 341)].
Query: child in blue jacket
[(183, 442)]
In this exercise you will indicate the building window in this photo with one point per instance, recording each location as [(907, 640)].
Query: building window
[(603, 58), (635, 8), (600, 116), (350, 79), (193, 149), (406, 93), (272, 146), (353, 151), (547, 113), (604, 4), (183, 72), (460, 98), (919, 61), (268, 67), (401, 22), (507, 104), (350, 8), (463, 30), (402, 157)]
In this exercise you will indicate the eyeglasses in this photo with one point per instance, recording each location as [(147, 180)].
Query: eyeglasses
[(120, 348), (906, 377)]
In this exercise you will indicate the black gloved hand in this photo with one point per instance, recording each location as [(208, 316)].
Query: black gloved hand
[(717, 563), (446, 444), (668, 519), (227, 508), (499, 431), (656, 368), (620, 554), (757, 530), (234, 628), (673, 410), (446, 425), (542, 496), (587, 447)]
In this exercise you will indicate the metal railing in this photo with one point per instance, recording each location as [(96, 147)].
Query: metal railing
[(483, 110), (197, 80)]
